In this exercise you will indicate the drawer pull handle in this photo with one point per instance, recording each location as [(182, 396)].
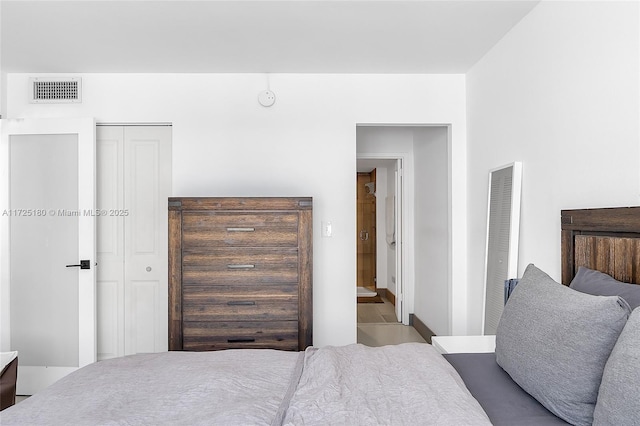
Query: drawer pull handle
[(241, 303), (241, 266), (241, 229), (241, 340)]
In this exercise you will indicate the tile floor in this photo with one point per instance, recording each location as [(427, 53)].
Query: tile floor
[(378, 326)]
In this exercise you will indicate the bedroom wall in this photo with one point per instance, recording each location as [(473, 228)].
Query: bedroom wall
[(226, 144), (432, 296), (560, 92)]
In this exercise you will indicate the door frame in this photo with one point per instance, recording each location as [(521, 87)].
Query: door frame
[(404, 242), (85, 129), (456, 319), (123, 342)]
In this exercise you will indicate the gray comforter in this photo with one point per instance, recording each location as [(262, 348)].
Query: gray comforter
[(355, 384)]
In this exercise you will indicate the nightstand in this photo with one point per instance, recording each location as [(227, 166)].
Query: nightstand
[(464, 344)]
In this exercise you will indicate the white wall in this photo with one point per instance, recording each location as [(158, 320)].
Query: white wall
[(431, 295), (226, 144), (560, 93)]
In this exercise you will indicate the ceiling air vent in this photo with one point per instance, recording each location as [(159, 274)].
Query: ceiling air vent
[(56, 90)]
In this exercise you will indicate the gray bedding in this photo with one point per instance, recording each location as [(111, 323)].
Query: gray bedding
[(355, 384), (172, 388), (408, 384), (505, 402)]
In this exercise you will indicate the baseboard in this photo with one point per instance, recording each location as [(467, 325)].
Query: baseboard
[(421, 328), (385, 293)]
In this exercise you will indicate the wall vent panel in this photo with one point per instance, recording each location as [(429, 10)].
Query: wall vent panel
[(55, 90), (503, 227)]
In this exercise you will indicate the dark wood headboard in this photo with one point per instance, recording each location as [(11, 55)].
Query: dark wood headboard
[(607, 240)]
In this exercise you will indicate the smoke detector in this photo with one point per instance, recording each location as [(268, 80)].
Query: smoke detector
[(267, 98)]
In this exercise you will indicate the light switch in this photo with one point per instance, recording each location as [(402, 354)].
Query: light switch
[(327, 231)]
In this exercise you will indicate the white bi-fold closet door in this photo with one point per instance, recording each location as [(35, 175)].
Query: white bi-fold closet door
[(133, 184)]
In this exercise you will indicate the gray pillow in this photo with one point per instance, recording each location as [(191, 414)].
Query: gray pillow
[(618, 400), (600, 284), (554, 342)]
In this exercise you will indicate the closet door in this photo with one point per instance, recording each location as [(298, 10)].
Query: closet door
[(110, 241), (147, 183), (134, 182)]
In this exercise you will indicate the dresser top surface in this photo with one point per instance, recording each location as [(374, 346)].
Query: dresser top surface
[(240, 203)]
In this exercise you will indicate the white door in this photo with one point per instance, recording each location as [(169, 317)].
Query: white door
[(134, 182), (49, 218), (400, 290), (110, 242)]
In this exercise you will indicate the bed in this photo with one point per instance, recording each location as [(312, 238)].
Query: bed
[(592, 241), (530, 379)]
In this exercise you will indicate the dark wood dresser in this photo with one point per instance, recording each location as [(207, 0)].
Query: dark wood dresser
[(240, 273)]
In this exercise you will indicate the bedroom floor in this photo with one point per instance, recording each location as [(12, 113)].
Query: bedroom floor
[(378, 326)]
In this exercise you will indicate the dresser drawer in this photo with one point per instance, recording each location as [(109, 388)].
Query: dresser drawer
[(208, 336), (202, 229), (243, 267), (240, 303)]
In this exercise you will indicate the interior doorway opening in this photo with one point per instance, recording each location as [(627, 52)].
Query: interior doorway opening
[(417, 162), (379, 236)]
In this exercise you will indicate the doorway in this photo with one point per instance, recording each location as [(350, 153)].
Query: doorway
[(419, 170), (380, 206)]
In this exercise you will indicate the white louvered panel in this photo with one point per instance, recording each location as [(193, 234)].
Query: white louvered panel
[(503, 211)]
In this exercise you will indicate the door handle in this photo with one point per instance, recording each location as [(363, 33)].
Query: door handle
[(84, 264), (364, 235)]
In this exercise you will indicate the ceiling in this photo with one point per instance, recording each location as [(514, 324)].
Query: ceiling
[(241, 36)]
